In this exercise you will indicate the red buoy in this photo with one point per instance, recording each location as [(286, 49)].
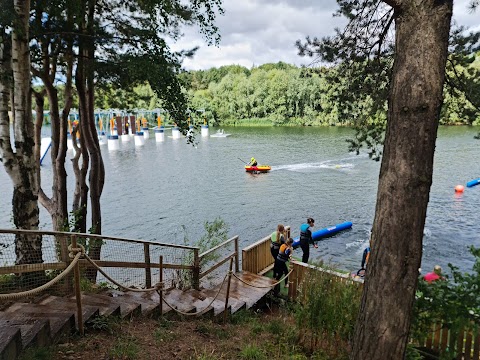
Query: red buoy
[(459, 188)]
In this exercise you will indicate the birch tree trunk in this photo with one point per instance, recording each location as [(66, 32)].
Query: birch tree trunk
[(415, 99), (19, 161)]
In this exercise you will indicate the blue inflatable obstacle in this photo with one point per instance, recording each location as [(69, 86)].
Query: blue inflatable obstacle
[(473, 182), (326, 232)]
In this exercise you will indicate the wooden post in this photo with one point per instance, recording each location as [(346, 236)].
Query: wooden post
[(291, 279), (64, 257), (228, 291), (148, 270), (196, 270), (237, 261), (78, 293), (161, 285)]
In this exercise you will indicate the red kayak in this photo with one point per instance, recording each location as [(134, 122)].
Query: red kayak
[(258, 168)]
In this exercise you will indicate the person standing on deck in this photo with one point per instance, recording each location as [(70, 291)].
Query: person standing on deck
[(306, 238), (280, 268), (278, 238)]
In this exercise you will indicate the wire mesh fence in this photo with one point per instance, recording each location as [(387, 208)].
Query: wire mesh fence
[(29, 259), (214, 263)]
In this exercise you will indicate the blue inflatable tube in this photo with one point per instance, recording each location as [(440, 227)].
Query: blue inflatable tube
[(326, 232), (473, 182)]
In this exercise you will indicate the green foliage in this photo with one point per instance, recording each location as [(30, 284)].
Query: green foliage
[(328, 308), (276, 327), (362, 55), (242, 317), (412, 353), (163, 334), (103, 323), (454, 302), (252, 352), (94, 288), (125, 348), (41, 353), (216, 232), (256, 327), (8, 282)]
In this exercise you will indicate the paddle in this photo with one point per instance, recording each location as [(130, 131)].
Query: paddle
[(242, 161)]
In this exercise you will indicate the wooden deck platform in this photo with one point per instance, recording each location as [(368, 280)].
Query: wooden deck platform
[(25, 324)]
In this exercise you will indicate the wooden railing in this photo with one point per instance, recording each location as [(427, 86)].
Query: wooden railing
[(125, 254), (233, 254), (301, 271), (467, 343), (257, 258)]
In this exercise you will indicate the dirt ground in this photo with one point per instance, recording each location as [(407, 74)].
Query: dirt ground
[(269, 334)]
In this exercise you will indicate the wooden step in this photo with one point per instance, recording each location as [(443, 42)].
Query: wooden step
[(149, 301), (180, 300), (127, 308), (68, 305), (35, 332), (10, 343), (61, 322), (205, 296), (107, 306)]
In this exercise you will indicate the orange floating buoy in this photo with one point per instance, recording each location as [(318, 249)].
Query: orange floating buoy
[(459, 188)]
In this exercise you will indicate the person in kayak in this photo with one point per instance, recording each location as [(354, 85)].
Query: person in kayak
[(306, 238), (278, 238), (252, 162)]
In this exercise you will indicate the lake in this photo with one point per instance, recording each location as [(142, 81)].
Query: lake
[(151, 191)]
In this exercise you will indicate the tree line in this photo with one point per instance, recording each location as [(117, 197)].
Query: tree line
[(285, 95)]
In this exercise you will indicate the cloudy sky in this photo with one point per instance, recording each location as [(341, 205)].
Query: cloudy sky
[(256, 32)]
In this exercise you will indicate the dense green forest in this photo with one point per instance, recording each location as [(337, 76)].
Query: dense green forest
[(282, 94), (271, 94)]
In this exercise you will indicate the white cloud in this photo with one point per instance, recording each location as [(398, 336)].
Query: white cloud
[(255, 32)]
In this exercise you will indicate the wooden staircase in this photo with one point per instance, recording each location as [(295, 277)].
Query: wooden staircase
[(49, 319)]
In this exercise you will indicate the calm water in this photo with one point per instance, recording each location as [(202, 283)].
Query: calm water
[(150, 192)]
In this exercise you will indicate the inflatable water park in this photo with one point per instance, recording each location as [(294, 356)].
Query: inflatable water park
[(115, 126)]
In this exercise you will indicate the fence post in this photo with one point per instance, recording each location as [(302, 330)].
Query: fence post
[(66, 259), (228, 291), (78, 293), (196, 269), (161, 285), (148, 270), (291, 280), (237, 262)]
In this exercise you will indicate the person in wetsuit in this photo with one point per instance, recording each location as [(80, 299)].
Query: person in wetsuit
[(277, 238), (280, 268), (306, 238)]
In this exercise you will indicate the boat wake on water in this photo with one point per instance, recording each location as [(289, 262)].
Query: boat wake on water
[(329, 164)]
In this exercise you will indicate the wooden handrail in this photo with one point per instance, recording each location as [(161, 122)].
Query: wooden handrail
[(261, 241), (218, 246), (26, 268), (255, 244), (220, 263), (94, 236)]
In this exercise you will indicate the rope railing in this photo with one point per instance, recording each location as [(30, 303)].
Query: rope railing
[(201, 311), (18, 295), (115, 282), (76, 253)]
